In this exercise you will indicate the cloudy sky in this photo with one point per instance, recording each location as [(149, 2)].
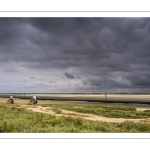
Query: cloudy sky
[(74, 55)]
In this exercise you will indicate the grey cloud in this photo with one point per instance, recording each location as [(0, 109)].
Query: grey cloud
[(98, 52), (84, 82), (52, 82), (41, 85), (69, 76), (140, 80), (79, 77)]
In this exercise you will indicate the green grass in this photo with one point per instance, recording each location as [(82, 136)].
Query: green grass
[(20, 120), (55, 110), (106, 111)]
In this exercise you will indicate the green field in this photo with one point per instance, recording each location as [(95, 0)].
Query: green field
[(101, 110), (20, 120)]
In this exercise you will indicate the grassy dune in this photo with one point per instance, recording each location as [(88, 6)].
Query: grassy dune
[(20, 120)]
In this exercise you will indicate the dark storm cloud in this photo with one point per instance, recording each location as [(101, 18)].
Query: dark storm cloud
[(108, 83), (140, 80), (99, 52), (69, 76)]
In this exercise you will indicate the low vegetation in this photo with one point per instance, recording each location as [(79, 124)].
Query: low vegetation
[(106, 111), (20, 120)]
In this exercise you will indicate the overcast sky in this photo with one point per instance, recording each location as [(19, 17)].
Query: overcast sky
[(74, 55)]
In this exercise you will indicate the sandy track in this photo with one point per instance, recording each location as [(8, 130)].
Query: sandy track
[(77, 115), (23, 103)]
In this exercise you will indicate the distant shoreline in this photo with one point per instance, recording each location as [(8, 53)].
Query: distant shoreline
[(78, 93)]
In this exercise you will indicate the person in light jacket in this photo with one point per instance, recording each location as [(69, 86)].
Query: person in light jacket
[(33, 98)]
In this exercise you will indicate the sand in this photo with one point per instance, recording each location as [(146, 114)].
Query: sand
[(37, 108)]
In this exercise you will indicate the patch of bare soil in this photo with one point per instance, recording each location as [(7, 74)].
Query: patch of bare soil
[(77, 115)]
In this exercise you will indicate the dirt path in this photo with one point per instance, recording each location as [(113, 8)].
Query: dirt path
[(77, 115), (23, 103)]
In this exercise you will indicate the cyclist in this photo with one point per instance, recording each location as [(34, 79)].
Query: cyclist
[(33, 99), (11, 99)]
